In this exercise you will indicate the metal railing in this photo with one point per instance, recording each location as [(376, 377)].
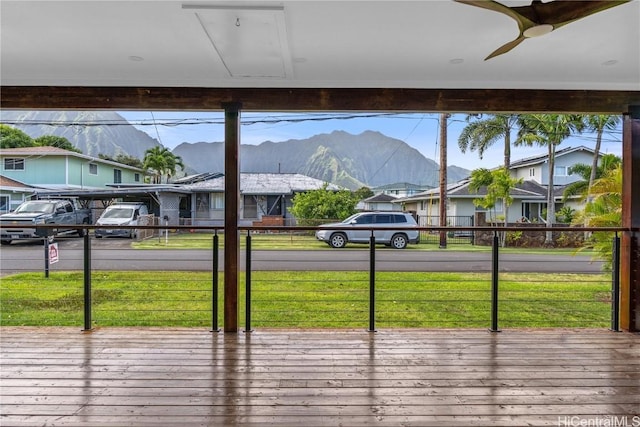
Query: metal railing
[(305, 286)]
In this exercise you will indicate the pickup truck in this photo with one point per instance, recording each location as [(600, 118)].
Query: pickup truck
[(32, 213)]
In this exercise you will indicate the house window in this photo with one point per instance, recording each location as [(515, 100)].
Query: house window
[(532, 172), (217, 200), (93, 169), (117, 176), (250, 207), (11, 164), (4, 204), (136, 177), (560, 171)]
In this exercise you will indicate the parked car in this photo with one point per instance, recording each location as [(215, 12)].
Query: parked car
[(354, 230), (32, 213), (121, 214)]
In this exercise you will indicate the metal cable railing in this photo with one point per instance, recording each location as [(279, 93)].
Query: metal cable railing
[(290, 280)]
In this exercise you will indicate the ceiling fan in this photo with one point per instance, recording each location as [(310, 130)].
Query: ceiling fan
[(540, 18)]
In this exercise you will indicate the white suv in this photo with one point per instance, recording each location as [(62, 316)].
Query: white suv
[(355, 229)]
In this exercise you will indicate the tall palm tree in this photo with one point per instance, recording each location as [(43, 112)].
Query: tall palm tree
[(599, 123), (548, 130), (161, 162), (481, 134)]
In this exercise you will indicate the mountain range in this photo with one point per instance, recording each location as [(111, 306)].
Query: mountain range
[(368, 159)]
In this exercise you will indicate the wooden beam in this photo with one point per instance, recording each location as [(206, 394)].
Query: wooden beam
[(630, 245), (231, 215), (317, 99)]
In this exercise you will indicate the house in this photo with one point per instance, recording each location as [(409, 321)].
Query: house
[(12, 193), (380, 202), (57, 169), (536, 168), (401, 189), (528, 200), (265, 198), (529, 197)]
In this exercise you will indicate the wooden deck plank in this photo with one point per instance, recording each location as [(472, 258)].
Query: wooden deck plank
[(128, 376)]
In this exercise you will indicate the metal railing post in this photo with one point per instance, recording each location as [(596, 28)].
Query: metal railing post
[(214, 284), (87, 282), (46, 257), (372, 282), (494, 283), (615, 284), (248, 285)]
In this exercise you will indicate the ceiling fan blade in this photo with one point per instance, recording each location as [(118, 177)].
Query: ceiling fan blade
[(506, 47), (523, 21), (562, 12)]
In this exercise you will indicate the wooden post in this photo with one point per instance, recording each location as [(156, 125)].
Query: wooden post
[(231, 214), (443, 179), (630, 247)]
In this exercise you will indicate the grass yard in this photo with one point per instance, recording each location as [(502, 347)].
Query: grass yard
[(314, 299)]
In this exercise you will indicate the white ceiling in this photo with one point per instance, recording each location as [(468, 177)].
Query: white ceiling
[(435, 44)]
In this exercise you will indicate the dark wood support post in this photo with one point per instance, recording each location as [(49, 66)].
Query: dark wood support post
[(630, 247), (231, 214)]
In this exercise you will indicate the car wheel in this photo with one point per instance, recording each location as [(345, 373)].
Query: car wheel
[(51, 238), (399, 241), (5, 242), (81, 232), (98, 236), (338, 240)]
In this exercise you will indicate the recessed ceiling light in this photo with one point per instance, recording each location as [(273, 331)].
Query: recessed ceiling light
[(610, 62), (136, 58), (456, 61)]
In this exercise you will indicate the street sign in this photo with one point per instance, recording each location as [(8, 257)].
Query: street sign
[(53, 253)]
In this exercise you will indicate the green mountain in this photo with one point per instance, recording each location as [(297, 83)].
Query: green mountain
[(370, 159), (109, 133)]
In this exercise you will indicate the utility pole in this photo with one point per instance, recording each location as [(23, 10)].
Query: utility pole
[(443, 179)]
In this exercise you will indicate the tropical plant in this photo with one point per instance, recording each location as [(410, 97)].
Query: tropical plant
[(480, 134), (581, 187), (566, 214), (548, 130), (499, 185), (599, 123), (604, 210), (322, 204), (160, 161)]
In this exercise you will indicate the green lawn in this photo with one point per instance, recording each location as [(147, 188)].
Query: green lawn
[(314, 299)]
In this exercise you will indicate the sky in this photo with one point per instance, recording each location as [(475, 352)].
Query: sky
[(419, 130)]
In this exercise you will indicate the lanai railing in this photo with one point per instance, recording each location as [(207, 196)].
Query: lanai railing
[(290, 281)]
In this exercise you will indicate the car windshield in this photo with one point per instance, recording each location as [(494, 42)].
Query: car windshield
[(118, 213), (35, 207), (351, 218)]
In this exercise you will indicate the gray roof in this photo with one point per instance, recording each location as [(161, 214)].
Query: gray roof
[(534, 160), (265, 183), (380, 198)]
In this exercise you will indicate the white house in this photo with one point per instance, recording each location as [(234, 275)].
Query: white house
[(536, 168)]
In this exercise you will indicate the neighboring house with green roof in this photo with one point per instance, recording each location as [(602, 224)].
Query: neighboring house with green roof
[(58, 169)]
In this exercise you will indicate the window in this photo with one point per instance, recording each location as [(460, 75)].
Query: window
[(250, 207), (560, 171), (4, 204), (400, 219), (136, 177), (532, 172), (13, 164), (93, 169), (117, 176), (217, 200)]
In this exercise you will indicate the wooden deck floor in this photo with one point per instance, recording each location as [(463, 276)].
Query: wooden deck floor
[(175, 377)]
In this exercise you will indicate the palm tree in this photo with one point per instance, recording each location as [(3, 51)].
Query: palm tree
[(604, 210), (161, 162), (548, 130), (481, 134), (582, 187), (599, 123)]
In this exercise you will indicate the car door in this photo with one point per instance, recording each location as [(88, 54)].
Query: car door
[(383, 220), (357, 232)]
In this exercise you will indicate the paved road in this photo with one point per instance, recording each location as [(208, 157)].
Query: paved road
[(115, 254)]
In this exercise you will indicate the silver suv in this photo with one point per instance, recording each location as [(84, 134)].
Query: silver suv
[(355, 229)]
